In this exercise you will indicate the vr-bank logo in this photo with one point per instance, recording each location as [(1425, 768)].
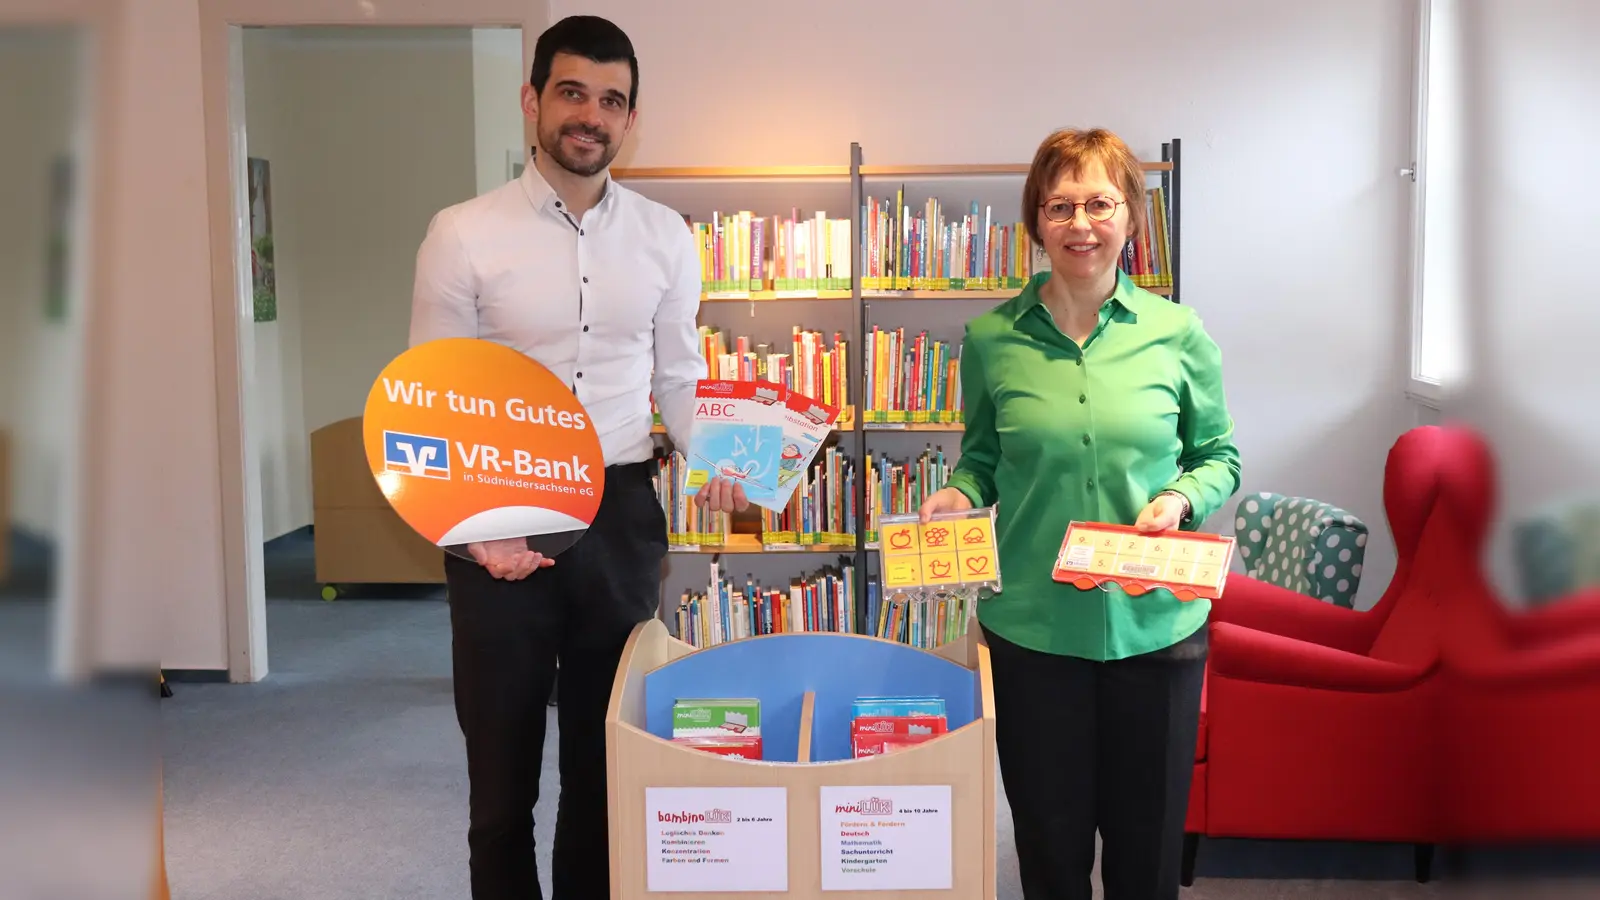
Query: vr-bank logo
[(416, 454)]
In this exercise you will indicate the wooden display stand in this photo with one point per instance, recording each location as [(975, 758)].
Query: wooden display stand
[(806, 683), (359, 538)]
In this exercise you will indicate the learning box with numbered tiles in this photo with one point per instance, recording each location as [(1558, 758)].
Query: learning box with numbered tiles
[(1191, 565)]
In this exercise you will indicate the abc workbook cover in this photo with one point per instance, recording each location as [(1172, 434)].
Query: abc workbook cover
[(738, 435)]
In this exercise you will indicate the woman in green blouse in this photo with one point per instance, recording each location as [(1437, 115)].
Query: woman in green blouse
[(1087, 398)]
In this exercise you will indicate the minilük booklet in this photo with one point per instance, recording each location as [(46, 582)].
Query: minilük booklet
[(806, 424), (760, 434), (737, 434)]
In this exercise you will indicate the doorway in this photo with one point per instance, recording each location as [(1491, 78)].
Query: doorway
[(342, 141)]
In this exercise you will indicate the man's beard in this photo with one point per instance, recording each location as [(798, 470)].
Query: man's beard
[(551, 145)]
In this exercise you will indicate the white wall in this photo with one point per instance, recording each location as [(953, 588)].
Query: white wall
[(1535, 312), (1294, 118), (369, 132), (38, 356), (153, 545), (497, 78)]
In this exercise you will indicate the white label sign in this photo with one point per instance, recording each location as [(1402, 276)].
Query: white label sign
[(886, 838), (716, 839)]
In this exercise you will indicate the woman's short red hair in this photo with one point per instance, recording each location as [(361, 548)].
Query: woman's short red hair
[(1071, 151)]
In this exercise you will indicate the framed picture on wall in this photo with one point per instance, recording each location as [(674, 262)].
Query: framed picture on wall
[(263, 280), (58, 242)]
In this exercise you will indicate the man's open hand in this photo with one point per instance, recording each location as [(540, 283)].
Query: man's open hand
[(509, 558)]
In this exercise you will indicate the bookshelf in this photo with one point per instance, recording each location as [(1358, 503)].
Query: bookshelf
[(847, 295)]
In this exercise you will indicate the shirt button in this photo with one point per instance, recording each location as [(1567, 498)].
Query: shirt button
[(1086, 440), (580, 232), (1091, 484), (580, 374), (586, 328), (558, 204), (585, 278), (1083, 398), (1080, 360)]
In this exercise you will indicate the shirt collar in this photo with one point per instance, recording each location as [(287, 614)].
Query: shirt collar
[(543, 196), (1124, 296)]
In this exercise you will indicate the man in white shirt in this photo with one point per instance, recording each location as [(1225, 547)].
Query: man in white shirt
[(601, 286)]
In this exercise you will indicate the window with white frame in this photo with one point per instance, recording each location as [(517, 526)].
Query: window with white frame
[(1438, 346)]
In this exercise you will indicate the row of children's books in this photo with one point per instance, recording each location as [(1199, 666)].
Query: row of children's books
[(904, 245), (807, 364), (1148, 259), (895, 487), (731, 609), (911, 380), (821, 511), (741, 251), (908, 247), (688, 526)]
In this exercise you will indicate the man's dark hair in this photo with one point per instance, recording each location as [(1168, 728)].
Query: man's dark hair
[(591, 37)]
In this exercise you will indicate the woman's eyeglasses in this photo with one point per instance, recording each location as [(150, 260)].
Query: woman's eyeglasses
[(1098, 209)]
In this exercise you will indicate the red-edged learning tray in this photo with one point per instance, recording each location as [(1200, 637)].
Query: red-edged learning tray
[(1191, 565)]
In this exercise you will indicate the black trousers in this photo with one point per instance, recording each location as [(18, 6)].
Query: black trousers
[(1087, 745), (506, 638)]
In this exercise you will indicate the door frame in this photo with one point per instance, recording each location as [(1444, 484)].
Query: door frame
[(244, 588)]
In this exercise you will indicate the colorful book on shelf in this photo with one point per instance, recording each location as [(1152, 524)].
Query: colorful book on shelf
[(1147, 259), (926, 621), (808, 366), (730, 610), (923, 248), (896, 488), (911, 383), (741, 252), (688, 526), (822, 509)]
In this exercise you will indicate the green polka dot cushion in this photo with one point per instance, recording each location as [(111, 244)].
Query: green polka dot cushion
[(1303, 545)]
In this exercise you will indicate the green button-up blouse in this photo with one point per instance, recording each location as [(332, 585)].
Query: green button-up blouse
[(1056, 432)]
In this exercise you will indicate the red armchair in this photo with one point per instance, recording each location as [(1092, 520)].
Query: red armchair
[(1520, 687), (1318, 722)]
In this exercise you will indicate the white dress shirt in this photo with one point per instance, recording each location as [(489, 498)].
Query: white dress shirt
[(599, 302)]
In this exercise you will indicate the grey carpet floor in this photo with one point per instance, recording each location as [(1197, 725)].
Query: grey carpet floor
[(342, 776)]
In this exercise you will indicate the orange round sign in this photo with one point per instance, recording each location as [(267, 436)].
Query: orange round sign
[(474, 441)]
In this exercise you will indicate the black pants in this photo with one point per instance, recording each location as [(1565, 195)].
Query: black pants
[(507, 637), (1089, 745)]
